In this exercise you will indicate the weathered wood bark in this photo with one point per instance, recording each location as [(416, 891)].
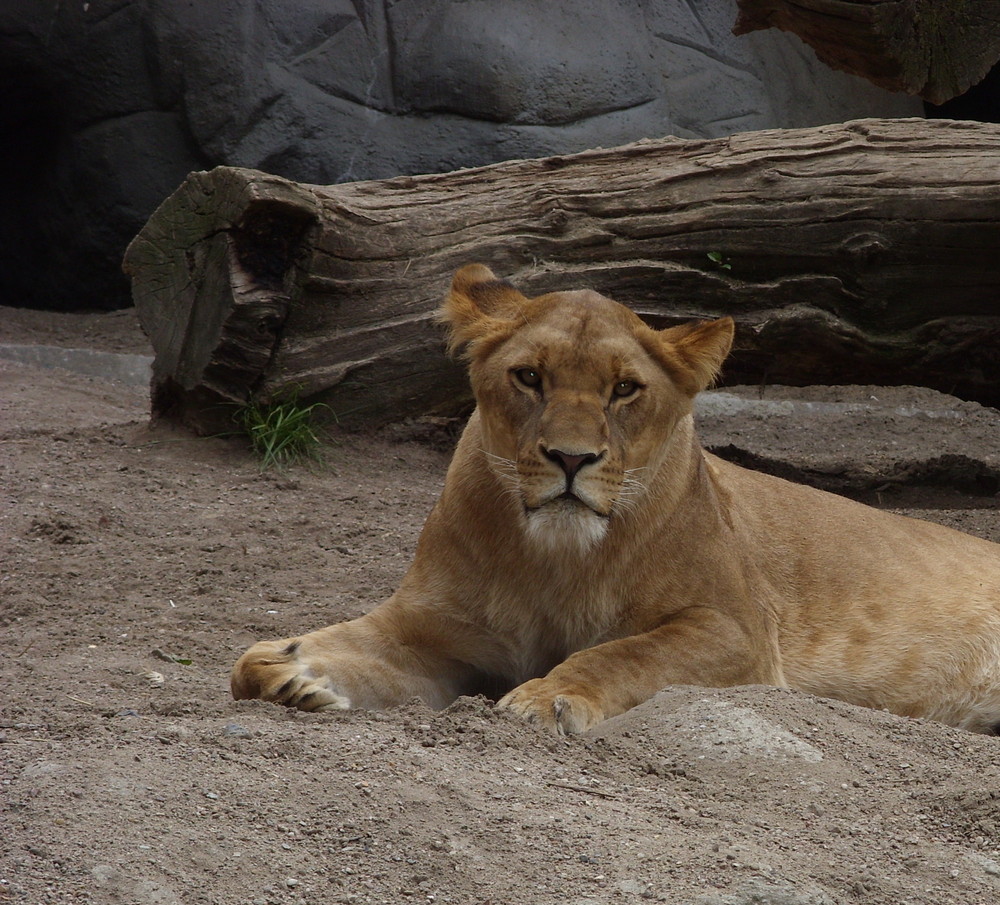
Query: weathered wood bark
[(936, 49), (862, 252)]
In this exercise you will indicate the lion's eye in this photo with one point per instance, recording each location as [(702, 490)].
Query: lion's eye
[(528, 377), (625, 388)]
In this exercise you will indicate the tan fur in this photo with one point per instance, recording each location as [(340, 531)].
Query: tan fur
[(666, 565)]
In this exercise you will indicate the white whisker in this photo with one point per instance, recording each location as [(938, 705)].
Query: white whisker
[(506, 471), (631, 491), (621, 505), (500, 460), (634, 488)]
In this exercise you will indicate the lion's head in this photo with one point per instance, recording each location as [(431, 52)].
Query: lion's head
[(578, 398)]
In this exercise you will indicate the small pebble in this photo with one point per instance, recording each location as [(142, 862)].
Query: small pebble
[(172, 733), (235, 730)]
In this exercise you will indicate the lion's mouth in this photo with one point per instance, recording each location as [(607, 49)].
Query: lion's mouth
[(566, 502)]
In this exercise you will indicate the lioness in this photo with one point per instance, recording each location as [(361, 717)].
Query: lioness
[(586, 551)]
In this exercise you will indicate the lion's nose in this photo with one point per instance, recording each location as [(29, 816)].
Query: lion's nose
[(570, 463)]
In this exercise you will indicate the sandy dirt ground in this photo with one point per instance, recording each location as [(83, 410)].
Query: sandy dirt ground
[(136, 564)]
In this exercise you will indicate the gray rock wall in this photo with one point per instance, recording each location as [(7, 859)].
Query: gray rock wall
[(110, 103)]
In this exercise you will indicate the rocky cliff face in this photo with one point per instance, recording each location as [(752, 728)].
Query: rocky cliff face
[(110, 103)]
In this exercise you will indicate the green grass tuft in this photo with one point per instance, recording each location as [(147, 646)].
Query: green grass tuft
[(283, 432)]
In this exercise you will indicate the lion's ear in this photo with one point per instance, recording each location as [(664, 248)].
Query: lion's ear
[(478, 305), (700, 349)]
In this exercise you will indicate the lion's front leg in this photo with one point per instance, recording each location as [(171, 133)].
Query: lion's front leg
[(698, 646), (357, 664)]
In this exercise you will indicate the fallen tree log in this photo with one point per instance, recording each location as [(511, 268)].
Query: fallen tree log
[(857, 253), (936, 49)]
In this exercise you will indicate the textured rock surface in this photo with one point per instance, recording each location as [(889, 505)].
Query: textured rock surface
[(921, 47), (112, 102)]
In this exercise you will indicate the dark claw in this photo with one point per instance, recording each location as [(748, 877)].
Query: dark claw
[(285, 690), (303, 702)]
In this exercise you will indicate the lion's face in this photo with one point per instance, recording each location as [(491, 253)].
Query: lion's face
[(570, 406), (577, 399)]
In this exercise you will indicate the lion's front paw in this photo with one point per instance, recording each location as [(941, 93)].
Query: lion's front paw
[(275, 671), (553, 706)]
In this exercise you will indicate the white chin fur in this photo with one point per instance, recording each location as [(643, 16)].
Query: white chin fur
[(563, 526)]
